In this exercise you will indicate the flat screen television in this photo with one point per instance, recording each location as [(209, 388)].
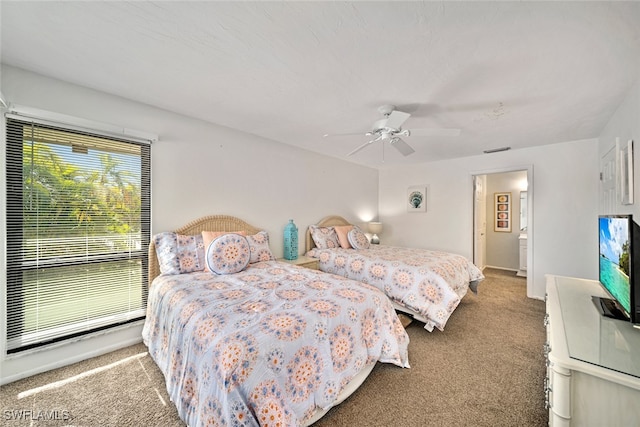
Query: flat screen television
[(619, 267)]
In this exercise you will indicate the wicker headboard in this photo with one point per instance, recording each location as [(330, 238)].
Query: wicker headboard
[(207, 223), (327, 221)]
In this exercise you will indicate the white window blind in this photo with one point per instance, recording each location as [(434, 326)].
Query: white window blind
[(78, 224)]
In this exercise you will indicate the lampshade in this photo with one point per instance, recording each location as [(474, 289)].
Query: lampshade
[(375, 227)]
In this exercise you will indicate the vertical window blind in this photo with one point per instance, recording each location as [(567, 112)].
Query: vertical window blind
[(78, 224)]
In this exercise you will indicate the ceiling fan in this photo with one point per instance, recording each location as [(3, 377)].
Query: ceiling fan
[(389, 129)]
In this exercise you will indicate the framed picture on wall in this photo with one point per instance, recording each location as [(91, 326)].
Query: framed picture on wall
[(626, 173), (502, 212), (417, 199)]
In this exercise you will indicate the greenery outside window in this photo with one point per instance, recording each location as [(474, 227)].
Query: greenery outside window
[(78, 224)]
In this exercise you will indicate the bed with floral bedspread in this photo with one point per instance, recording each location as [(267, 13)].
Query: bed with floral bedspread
[(424, 283), (273, 344)]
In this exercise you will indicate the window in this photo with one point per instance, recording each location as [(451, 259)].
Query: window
[(78, 223)]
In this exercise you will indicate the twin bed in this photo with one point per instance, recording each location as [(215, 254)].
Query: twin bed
[(268, 344), (427, 285)]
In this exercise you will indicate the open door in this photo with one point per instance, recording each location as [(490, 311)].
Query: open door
[(482, 243), (480, 220)]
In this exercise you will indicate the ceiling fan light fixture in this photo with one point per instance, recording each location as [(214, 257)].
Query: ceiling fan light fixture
[(386, 109)]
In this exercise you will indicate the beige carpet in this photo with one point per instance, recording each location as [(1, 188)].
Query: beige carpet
[(485, 369), (404, 319)]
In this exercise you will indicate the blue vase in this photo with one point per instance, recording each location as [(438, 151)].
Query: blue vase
[(290, 241)]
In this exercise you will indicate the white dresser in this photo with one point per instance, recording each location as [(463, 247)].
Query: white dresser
[(593, 363)]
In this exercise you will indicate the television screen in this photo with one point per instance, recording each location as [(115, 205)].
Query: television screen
[(616, 262)]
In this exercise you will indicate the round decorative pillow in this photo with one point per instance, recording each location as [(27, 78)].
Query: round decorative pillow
[(228, 254), (358, 239)]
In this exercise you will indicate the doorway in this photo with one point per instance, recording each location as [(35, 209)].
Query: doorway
[(493, 245)]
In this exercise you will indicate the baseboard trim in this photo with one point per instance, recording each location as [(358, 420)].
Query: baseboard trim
[(19, 366), (501, 268)]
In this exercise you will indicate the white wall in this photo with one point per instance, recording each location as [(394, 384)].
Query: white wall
[(503, 248), (198, 169), (563, 192), (625, 125)]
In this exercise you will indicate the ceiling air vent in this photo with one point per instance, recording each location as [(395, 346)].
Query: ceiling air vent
[(496, 150)]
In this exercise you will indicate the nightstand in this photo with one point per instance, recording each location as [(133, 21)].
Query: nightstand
[(303, 261)]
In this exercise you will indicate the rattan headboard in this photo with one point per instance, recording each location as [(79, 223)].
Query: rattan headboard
[(207, 223), (327, 221)]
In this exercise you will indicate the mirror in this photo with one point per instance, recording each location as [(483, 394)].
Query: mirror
[(523, 211)]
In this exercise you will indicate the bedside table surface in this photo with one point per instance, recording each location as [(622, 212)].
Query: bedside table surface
[(302, 261)]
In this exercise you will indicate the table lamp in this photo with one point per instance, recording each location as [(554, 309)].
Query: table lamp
[(375, 228)]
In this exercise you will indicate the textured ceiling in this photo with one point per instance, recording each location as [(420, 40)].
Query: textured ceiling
[(512, 74)]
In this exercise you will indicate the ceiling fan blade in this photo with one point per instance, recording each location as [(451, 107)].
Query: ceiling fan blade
[(363, 146), (435, 132), (330, 135), (402, 146), (396, 119)]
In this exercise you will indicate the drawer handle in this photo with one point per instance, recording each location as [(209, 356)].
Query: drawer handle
[(547, 397)]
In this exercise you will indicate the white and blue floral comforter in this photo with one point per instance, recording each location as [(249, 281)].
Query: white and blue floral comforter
[(429, 283), (268, 345)]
